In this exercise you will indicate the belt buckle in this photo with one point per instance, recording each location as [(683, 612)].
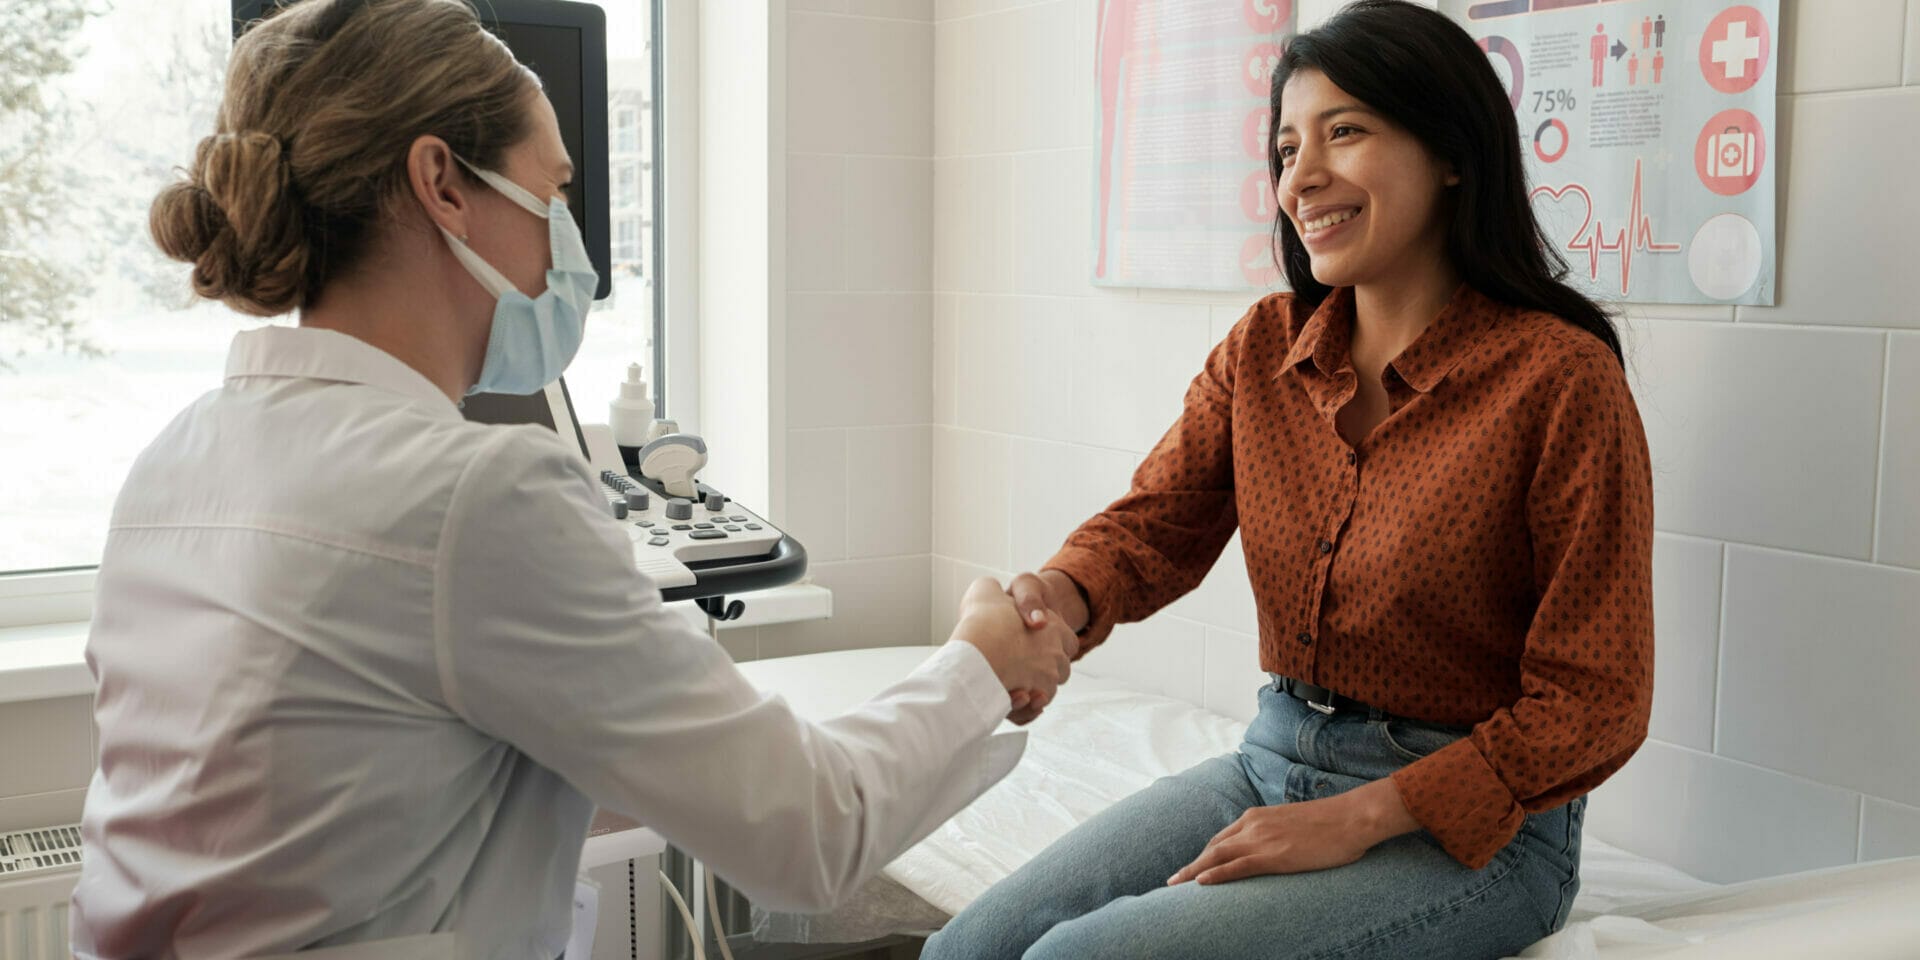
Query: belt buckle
[(1323, 708)]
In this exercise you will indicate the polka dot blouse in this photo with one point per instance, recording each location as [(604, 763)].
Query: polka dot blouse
[(1482, 558)]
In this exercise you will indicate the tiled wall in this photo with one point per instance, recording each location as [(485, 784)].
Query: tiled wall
[(49, 746), (1786, 440), (859, 242)]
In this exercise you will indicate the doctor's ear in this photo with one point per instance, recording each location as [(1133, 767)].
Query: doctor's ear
[(437, 184)]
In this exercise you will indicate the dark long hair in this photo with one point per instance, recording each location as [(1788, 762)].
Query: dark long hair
[(1422, 71)]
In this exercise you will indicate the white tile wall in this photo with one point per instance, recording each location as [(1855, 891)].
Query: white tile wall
[(1686, 614), (876, 603), (1844, 46), (1899, 540), (968, 72), (1053, 232), (860, 237), (946, 348), (889, 491), (1225, 598), (894, 9), (972, 242), (1819, 669), (1761, 434), (1889, 830), (1046, 99), (48, 745), (859, 86), (1013, 364), (1232, 678), (816, 222), (1849, 242), (818, 491), (1132, 367), (1164, 655), (1913, 43), (1722, 820), (889, 208), (1044, 498), (858, 359), (971, 496), (40, 809)]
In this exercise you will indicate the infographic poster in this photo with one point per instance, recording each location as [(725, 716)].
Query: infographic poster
[(1649, 132), (1182, 197)]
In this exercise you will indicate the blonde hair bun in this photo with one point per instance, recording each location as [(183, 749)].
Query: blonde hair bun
[(234, 220), (323, 100)]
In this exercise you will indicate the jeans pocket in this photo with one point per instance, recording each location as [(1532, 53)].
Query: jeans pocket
[(1412, 741)]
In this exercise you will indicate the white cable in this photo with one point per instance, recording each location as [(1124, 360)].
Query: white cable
[(713, 910), (693, 933)]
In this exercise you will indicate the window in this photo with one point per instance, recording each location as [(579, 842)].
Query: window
[(626, 129), (626, 184), (626, 243), (100, 343)]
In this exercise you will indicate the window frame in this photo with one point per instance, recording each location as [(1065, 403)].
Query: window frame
[(37, 597)]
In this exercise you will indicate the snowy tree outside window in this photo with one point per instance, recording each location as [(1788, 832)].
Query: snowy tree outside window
[(101, 342)]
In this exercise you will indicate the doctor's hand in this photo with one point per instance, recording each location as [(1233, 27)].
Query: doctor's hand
[(1044, 599), (1030, 661), (1303, 836)]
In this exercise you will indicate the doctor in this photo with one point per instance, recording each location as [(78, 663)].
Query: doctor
[(365, 668)]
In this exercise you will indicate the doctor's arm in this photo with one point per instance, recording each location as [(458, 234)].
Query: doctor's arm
[(550, 640)]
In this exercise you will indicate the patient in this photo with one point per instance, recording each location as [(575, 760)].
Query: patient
[(1441, 483)]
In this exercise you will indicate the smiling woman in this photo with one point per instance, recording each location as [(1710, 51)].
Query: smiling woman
[(1431, 456)]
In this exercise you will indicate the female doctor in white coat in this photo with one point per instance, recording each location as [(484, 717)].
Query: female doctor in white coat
[(365, 668)]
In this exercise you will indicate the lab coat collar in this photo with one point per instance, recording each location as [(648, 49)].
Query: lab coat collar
[(312, 353)]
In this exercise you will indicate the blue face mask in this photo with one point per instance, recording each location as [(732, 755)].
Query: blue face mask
[(533, 338)]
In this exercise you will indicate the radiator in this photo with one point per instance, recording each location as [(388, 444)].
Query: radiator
[(38, 869)]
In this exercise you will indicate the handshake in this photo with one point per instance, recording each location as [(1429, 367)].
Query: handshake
[(1027, 634)]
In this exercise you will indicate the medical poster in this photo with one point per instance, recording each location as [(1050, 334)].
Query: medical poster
[(1648, 128), (1182, 198)]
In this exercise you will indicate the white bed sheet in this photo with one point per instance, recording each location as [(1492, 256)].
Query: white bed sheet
[(1101, 741)]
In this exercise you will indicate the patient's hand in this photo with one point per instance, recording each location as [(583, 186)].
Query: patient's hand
[(1033, 660), (1302, 836), (1045, 598)]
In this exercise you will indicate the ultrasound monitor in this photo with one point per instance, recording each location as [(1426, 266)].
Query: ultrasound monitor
[(565, 45)]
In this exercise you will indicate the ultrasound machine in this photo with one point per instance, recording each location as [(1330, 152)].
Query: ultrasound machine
[(693, 541)]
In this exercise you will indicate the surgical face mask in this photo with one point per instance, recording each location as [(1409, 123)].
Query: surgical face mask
[(533, 338)]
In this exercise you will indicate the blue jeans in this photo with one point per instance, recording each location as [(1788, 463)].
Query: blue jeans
[(1100, 891)]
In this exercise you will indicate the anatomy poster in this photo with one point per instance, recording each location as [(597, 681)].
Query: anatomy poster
[(1648, 127), (1182, 194)]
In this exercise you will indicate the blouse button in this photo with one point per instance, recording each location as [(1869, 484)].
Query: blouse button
[(1351, 456), (1326, 546), (1304, 638)]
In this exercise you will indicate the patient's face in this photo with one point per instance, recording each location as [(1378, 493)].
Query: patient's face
[(1364, 194)]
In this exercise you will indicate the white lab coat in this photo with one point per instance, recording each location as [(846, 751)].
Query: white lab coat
[(365, 668)]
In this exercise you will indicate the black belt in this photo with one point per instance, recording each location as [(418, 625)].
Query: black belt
[(1324, 700)]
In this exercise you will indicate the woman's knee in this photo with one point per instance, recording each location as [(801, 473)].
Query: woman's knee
[(983, 930)]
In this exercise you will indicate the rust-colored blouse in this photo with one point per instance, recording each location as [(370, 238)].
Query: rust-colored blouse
[(1482, 558)]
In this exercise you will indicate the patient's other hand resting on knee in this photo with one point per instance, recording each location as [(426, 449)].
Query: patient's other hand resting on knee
[(1031, 659)]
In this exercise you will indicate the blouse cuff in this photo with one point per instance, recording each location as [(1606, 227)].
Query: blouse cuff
[(1457, 797), (1092, 572)]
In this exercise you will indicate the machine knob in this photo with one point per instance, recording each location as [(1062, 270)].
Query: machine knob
[(678, 509), (637, 500), (716, 502)]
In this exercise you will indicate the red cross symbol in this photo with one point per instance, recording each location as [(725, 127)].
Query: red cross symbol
[(1735, 49)]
